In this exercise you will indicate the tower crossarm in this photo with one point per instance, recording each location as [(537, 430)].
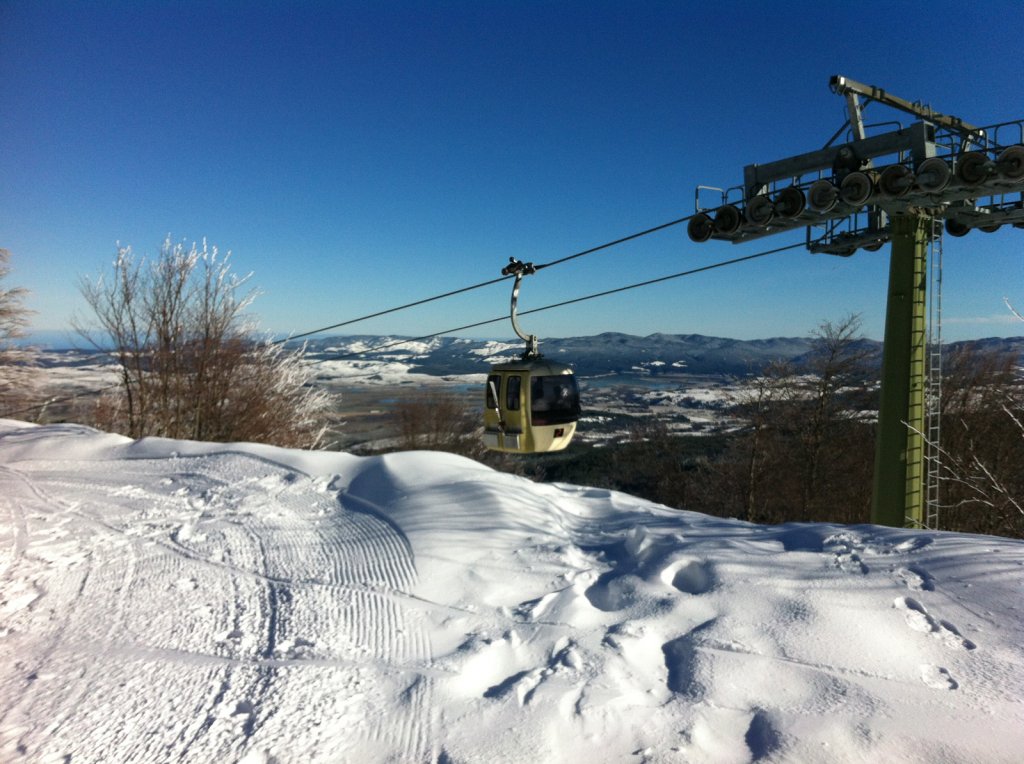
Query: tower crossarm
[(845, 86), (916, 139)]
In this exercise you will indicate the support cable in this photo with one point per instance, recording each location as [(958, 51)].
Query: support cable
[(379, 313), (425, 300), (623, 240), (486, 322), (605, 293)]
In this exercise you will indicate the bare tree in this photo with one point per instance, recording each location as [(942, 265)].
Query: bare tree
[(189, 365), (438, 421), (16, 379), (804, 453), (773, 391), (837, 372), (982, 449)]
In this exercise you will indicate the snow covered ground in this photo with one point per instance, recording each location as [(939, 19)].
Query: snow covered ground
[(165, 600)]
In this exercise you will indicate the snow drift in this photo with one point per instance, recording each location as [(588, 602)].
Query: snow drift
[(166, 600)]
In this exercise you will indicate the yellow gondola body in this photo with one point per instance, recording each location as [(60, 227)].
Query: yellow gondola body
[(532, 406)]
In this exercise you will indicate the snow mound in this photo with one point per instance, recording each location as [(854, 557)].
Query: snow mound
[(166, 600)]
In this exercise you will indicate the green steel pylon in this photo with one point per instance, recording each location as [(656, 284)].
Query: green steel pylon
[(899, 497), (939, 168)]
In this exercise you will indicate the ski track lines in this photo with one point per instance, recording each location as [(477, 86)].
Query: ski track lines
[(281, 606)]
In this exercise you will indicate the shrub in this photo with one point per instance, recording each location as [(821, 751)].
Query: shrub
[(189, 364)]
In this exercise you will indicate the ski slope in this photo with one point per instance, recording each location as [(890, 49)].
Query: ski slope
[(175, 601)]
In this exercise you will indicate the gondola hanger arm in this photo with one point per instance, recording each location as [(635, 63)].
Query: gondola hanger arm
[(519, 269)]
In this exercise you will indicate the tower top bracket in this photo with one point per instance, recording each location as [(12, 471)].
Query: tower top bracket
[(845, 86)]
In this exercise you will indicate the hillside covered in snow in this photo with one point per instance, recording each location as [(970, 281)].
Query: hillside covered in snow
[(167, 600)]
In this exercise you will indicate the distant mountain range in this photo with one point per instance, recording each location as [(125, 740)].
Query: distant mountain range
[(602, 354), (608, 353)]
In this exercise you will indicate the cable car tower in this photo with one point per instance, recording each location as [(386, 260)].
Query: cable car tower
[(901, 186)]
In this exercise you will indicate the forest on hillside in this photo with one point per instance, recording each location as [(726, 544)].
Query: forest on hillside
[(804, 451)]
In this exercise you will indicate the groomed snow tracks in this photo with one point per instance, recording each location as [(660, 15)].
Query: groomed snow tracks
[(269, 595)]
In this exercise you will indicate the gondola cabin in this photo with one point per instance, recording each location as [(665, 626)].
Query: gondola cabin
[(532, 406)]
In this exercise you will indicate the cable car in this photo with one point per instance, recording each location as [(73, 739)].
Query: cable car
[(532, 405)]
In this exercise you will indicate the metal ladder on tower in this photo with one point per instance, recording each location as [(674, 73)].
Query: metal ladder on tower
[(933, 392)]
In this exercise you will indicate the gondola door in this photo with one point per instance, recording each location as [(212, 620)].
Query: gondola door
[(514, 411), (504, 416)]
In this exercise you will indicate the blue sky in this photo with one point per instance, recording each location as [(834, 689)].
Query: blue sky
[(360, 155)]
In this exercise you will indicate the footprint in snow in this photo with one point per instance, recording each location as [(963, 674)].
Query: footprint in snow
[(614, 591), (846, 549), (916, 579), (18, 596), (186, 584), (851, 563), (938, 678), (913, 544), (762, 736), (534, 609), (523, 684), (294, 648), (232, 635), (564, 657), (689, 576), (630, 582), (919, 619), (683, 663)]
